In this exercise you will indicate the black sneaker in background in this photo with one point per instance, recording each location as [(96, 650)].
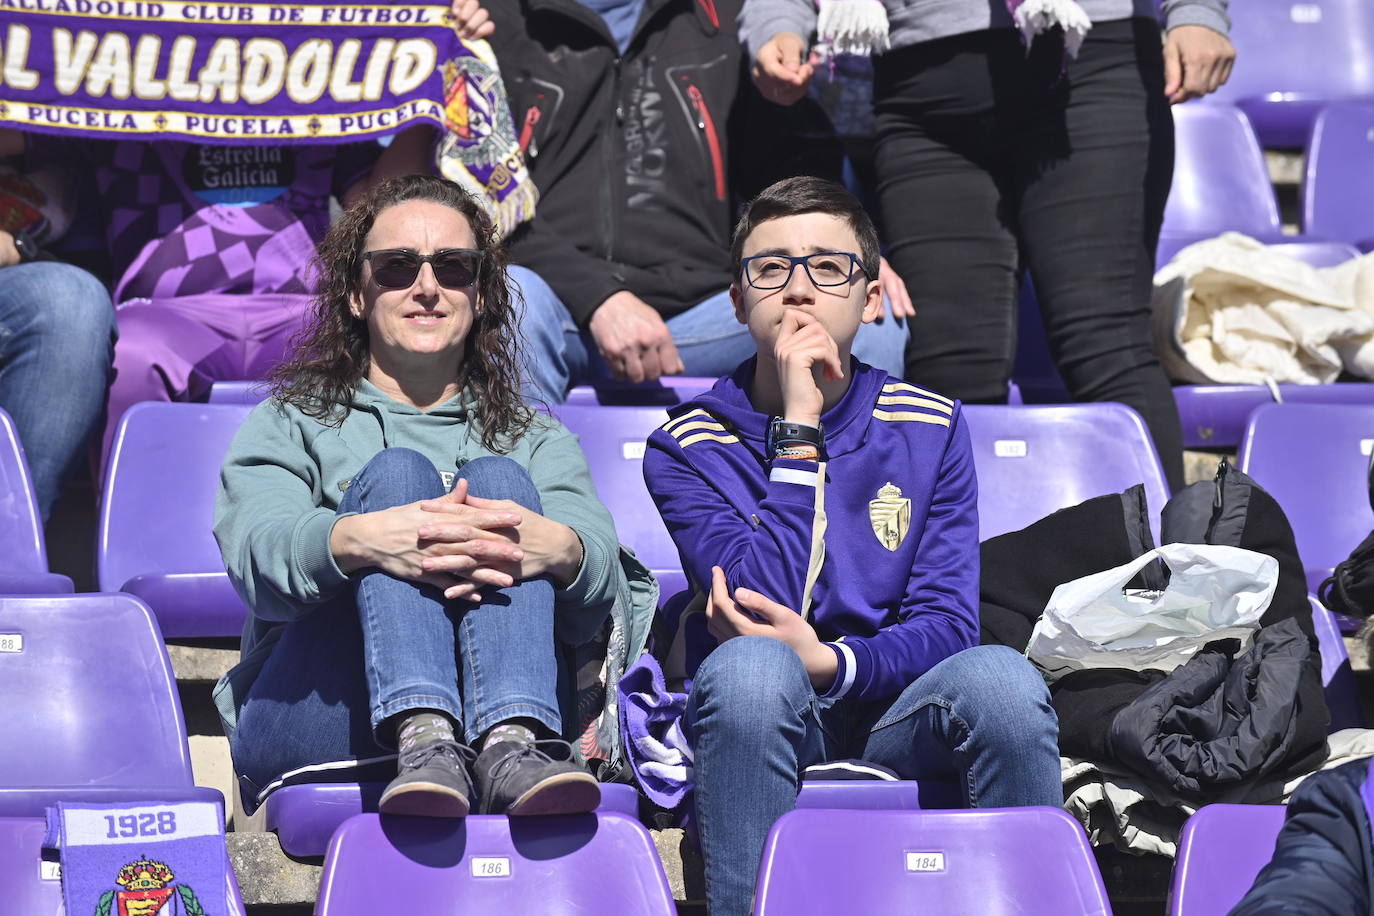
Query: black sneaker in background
[(523, 779), (432, 782)]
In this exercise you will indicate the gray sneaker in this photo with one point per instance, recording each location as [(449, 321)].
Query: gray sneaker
[(519, 778), (432, 782)]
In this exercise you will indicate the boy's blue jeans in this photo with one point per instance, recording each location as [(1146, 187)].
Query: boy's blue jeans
[(393, 645), (981, 718), (708, 338)]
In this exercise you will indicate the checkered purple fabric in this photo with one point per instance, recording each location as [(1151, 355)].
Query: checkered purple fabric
[(185, 219)]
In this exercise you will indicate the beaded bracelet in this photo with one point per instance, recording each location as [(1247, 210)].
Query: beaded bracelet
[(809, 453)]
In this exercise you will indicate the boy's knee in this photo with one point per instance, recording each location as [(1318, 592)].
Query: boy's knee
[(1006, 691), (752, 675), (499, 477)]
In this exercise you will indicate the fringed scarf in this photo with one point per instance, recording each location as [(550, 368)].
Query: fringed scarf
[(479, 149), (860, 26)]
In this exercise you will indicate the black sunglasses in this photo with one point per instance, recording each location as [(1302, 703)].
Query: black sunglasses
[(397, 268)]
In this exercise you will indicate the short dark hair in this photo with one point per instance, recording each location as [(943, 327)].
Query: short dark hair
[(808, 194)]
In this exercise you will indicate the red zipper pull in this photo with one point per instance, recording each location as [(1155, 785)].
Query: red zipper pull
[(527, 131)]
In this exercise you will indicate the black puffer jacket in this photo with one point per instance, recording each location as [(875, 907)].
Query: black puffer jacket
[(630, 153)]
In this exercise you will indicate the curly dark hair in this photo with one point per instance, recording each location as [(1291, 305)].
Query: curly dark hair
[(331, 353)]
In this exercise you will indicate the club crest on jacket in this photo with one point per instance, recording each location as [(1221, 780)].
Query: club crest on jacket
[(890, 516)]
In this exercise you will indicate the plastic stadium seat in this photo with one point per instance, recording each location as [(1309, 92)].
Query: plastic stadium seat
[(34, 888), (667, 391), (304, 817), (23, 559), (604, 864), (879, 795), (1221, 851), (1220, 180), (1318, 254), (92, 712), (1293, 58), (1342, 692), (155, 539), (1034, 460), (1214, 416), (1338, 188), (613, 438), (1314, 459), (993, 862), (237, 392)]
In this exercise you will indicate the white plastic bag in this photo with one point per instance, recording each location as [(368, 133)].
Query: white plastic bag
[(1214, 592)]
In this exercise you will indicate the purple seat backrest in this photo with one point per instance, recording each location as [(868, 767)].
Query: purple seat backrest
[(1338, 187), (1034, 460), (604, 864), (1214, 416), (155, 537), (90, 698), (613, 438), (21, 535), (33, 891), (993, 861), (665, 392), (1220, 179), (238, 393), (1294, 57), (1342, 692), (304, 817), (1221, 850), (1314, 459)]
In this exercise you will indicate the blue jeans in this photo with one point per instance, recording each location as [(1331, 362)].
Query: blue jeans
[(709, 339), (57, 332), (337, 675), (981, 718)]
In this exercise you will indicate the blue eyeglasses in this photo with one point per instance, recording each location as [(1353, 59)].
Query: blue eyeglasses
[(823, 268)]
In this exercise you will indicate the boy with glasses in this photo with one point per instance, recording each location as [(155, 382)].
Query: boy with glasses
[(831, 512)]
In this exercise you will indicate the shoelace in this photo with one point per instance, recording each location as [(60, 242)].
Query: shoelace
[(500, 769), (454, 752)]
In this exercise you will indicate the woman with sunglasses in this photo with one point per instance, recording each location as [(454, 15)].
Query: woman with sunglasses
[(414, 541)]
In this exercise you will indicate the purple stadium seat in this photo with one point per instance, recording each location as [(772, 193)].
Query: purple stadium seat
[(1220, 179), (23, 558), (1338, 187), (1221, 851), (304, 817), (1296, 56), (1314, 459), (879, 795), (603, 864), (237, 393), (92, 711), (993, 862), (1214, 416), (1318, 254), (613, 438), (665, 392), (1342, 692), (155, 539), (32, 887), (1034, 460)]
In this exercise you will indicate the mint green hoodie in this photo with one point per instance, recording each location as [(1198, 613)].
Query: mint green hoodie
[(286, 473)]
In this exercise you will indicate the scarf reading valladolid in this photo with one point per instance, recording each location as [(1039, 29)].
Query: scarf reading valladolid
[(860, 26), (243, 73)]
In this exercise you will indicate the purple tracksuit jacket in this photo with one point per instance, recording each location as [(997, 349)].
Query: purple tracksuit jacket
[(877, 544)]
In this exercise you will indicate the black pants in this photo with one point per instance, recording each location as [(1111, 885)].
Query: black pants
[(987, 158)]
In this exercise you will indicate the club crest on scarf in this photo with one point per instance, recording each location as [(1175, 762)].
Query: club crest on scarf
[(479, 149), (147, 889), (890, 516)]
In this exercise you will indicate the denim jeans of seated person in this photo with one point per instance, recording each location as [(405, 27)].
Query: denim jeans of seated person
[(981, 718), (393, 645)]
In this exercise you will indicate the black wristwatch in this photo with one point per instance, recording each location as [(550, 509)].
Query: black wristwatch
[(782, 433), (27, 248)]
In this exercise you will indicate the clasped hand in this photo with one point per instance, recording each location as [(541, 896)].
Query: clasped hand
[(762, 616)]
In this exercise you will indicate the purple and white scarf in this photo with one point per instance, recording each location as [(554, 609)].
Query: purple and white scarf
[(860, 26)]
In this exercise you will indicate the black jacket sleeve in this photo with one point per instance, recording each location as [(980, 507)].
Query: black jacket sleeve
[(1322, 862)]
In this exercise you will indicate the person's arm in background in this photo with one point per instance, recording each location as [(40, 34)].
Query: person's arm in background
[(776, 34), (1198, 56)]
